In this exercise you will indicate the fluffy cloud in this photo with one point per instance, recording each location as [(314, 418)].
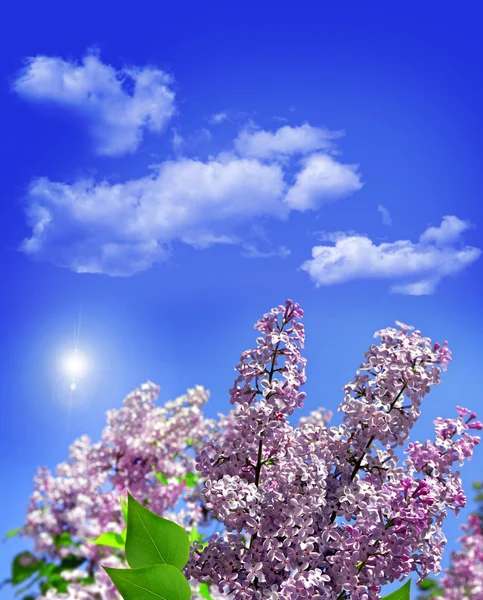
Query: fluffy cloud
[(124, 228), (417, 267), (118, 105), (322, 180), (285, 141), (448, 232)]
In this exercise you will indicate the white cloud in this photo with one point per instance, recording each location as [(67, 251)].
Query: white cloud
[(123, 228), (417, 267), (448, 232), (334, 236), (177, 142), (252, 251), (118, 105), (218, 118), (322, 180), (385, 214), (285, 141), (419, 288)]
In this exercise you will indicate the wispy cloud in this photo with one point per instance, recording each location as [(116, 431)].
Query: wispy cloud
[(218, 118), (177, 142), (285, 141), (118, 105), (416, 268), (385, 214), (252, 251), (181, 145)]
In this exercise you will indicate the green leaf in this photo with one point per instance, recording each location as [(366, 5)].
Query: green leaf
[(163, 582), (401, 594), (191, 479), (205, 591), (195, 535), (111, 539), (152, 540), (477, 485), (24, 566), (162, 478), (426, 584), (13, 532), (70, 562), (64, 539), (436, 592), (55, 581), (123, 501)]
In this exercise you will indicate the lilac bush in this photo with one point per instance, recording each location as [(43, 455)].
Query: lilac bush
[(303, 511)]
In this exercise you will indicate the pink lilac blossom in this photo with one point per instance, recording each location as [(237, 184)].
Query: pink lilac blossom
[(464, 578), (318, 512), (82, 499)]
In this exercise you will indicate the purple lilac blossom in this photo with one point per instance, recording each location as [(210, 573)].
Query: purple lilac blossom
[(318, 512)]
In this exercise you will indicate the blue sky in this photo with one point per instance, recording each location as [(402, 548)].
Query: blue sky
[(330, 154)]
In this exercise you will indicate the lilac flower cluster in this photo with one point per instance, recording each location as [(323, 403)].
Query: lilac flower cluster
[(318, 512), (464, 579), (82, 499)]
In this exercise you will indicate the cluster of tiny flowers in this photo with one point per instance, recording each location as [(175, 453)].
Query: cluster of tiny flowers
[(318, 512), (464, 579), (82, 498)]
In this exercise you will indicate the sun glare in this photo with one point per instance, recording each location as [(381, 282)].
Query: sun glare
[(74, 366)]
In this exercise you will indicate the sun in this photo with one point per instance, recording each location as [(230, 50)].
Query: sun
[(74, 366)]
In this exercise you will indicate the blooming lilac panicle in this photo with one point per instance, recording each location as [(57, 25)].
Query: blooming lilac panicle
[(464, 579), (82, 497), (318, 512)]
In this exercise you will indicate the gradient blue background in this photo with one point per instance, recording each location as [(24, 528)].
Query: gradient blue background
[(405, 84)]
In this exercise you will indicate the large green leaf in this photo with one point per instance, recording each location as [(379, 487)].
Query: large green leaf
[(401, 594), (152, 540), (111, 539), (162, 582)]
